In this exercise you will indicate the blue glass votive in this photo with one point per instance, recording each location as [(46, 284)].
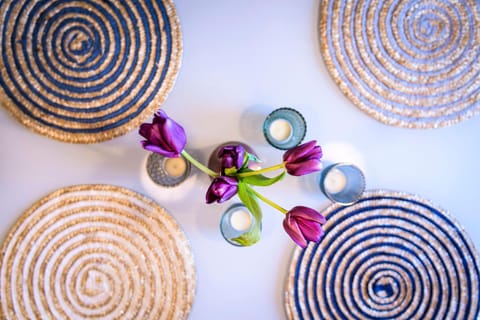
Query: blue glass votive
[(235, 222), (167, 172), (284, 128), (342, 183)]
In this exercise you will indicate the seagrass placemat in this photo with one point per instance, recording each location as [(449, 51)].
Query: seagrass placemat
[(389, 256), (413, 64), (86, 71), (96, 252)]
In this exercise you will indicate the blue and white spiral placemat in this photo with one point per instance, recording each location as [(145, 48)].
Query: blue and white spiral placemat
[(96, 252), (85, 71), (390, 255), (407, 63)]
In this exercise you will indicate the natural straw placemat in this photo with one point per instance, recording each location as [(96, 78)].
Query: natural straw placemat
[(413, 64), (96, 251), (389, 256), (89, 70)]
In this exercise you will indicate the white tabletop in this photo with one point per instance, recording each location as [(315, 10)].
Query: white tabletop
[(243, 59)]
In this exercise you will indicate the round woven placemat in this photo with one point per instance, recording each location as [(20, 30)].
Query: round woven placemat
[(389, 256), (407, 63), (86, 71), (96, 251)]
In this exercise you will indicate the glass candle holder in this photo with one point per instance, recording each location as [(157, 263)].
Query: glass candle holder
[(284, 128), (342, 183), (167, 172), (235, 222)]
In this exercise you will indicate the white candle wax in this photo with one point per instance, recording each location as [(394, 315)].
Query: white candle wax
[(335, 181), (175, 167), (241, 220), (280, 129)]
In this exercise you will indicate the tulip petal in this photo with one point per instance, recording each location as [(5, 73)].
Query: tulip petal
[(144, 130), (228, 193), (303, 168), (173, 135), (163, 135), (156, 149), (159, 116), (221, 189), (232, 156), (227, 162), (210, 197), (240, 156), (299, 151), (303, 159), (156, 137), (294, 232), (229, 180), (307, 213), (312, 231)]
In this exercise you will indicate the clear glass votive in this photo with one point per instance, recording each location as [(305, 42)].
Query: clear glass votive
[(235, 222), (167, 172), (284, 128), (342, 183)]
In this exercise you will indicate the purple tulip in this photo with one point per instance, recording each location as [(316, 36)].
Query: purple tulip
[(303, 159), (304, 224), (232, 156), (221, 189), (163, 136)]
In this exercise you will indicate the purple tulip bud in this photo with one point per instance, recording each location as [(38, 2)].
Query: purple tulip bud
[(304, 224), (163, 136), (221, 189), (303, 159), (232, 156)]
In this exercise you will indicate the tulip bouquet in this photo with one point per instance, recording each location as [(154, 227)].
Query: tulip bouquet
[(302, 224)]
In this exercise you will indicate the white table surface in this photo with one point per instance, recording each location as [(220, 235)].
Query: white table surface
[(243, 59)]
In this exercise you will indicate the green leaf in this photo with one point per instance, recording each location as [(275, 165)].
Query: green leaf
[(261, 180), (245, 161), (250, 201)]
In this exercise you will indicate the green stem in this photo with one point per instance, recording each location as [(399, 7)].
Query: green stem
[(199, 165), (261, 171), (267, 201)]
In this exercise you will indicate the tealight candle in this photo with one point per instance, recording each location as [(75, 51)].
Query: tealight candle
[(284, 128), (335, 181), (167, 172), (280, 129), (175, 167), (241, 220), (343, 183)]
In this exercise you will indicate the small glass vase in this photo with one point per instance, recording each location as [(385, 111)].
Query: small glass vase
[(167, 172)]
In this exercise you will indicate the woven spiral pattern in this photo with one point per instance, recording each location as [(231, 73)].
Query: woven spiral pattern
[(407, 63), (390, 255), (85, 71), (96, 251)]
